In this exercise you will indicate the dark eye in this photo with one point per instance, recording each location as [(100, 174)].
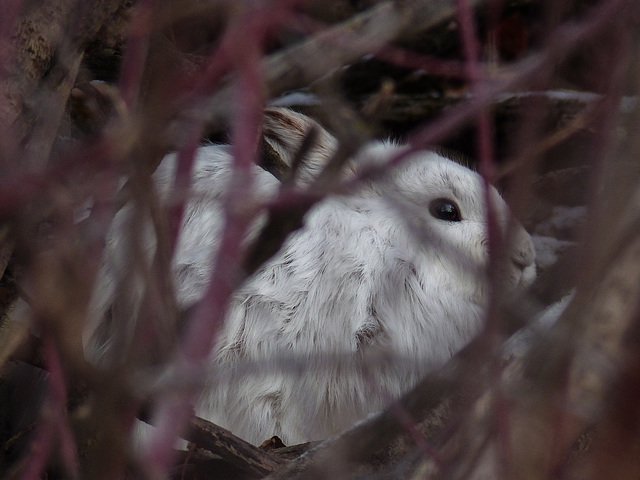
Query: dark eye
[(445, 209)]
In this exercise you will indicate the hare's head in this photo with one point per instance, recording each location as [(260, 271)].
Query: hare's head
[(447, 205)]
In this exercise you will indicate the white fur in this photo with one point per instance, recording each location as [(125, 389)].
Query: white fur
[(372, 293)]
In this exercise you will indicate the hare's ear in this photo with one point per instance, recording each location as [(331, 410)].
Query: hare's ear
[(294, 146)]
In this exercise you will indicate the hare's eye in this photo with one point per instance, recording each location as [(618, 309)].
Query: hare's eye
[(445, 209)]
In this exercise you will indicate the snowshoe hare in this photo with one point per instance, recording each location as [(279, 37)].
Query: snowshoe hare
[(376, 289)]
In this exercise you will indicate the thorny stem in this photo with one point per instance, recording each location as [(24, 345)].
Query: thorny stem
[(408, 59), (171, 414), (54, 421), (613, 86), (40, 451), (181, 185), (58, 395), (266, 19), (137, 47), (487, 169)]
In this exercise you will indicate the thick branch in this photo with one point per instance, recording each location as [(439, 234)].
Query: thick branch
[(301, 64)]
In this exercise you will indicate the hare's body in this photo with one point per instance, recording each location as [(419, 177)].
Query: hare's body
[(376, 289)]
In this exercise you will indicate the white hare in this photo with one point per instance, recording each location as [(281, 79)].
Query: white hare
[(377, 288)]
